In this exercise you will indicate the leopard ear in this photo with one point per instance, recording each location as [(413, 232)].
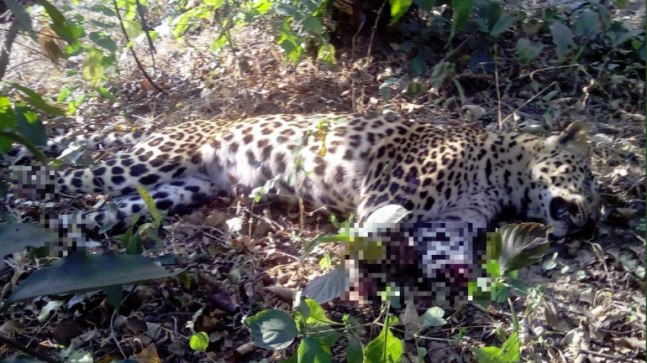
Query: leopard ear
[(575, 137)]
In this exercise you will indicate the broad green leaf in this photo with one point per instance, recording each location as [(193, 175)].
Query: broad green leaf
[(81, 272), (103, 9), (114, 295), (199, 341), (7, 124), (355, 350), (150, 204), (53, 12), (93, 69), (326, 53), (23, 18), (325, 334), (502, 25), (441, 72), (317, 315), (312, 25), (386, 347), (527, 51), (103, 40), (329, 286), (30, 126), (272, 329), (37, 101), (433, 317), (418, 66), (426, 5), (522, 245), (69, 32), (488, 354), (398, 9), (313, 350), (106, 93), (461, 11), (508, 353), (562, 38), (588, 24)]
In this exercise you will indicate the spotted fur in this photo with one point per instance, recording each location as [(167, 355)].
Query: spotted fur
[(353, 163), (348, 163)]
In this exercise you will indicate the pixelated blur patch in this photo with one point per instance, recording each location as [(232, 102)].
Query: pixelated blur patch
[(81, 272), (33, 182), (18, 236)]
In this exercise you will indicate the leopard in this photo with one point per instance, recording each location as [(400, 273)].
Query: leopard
[(453, 179)]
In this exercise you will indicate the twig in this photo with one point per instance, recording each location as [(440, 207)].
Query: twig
[(529, 100), (498, 89), (23, 348), (142, 18), (374, 30), (6, 47), (603, 355), (113, 336), (132, 49)]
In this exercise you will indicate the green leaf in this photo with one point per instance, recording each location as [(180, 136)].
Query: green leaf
[(17, 237), (386, 347), (103, 40), (313, 350), (93, 69), (23, 18), (317, 315), (329, 286), (418, 66), (588, 24), (272, 329), (106, 93), (37, 101), (461, 11), (199, 341), (398, 9), (103, 9), (69, 32), (426, 5), (53, 12), (150, 204), (562, 38), (528, 51), (7, 124), (326, 53), (508, 353), (433, 317), (522, 245), (114, 295), (80, 272), (502, 25), (30, 126), (312, 25), (355, 350), (441, 72)]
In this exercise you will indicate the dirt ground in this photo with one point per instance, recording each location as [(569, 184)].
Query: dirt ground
[(591, 307)]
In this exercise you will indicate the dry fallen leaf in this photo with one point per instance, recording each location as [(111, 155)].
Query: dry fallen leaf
[(148, 355)]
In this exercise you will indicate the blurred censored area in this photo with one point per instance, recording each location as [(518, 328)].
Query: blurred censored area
[(37, 184), (33, 182), (428, 261)]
